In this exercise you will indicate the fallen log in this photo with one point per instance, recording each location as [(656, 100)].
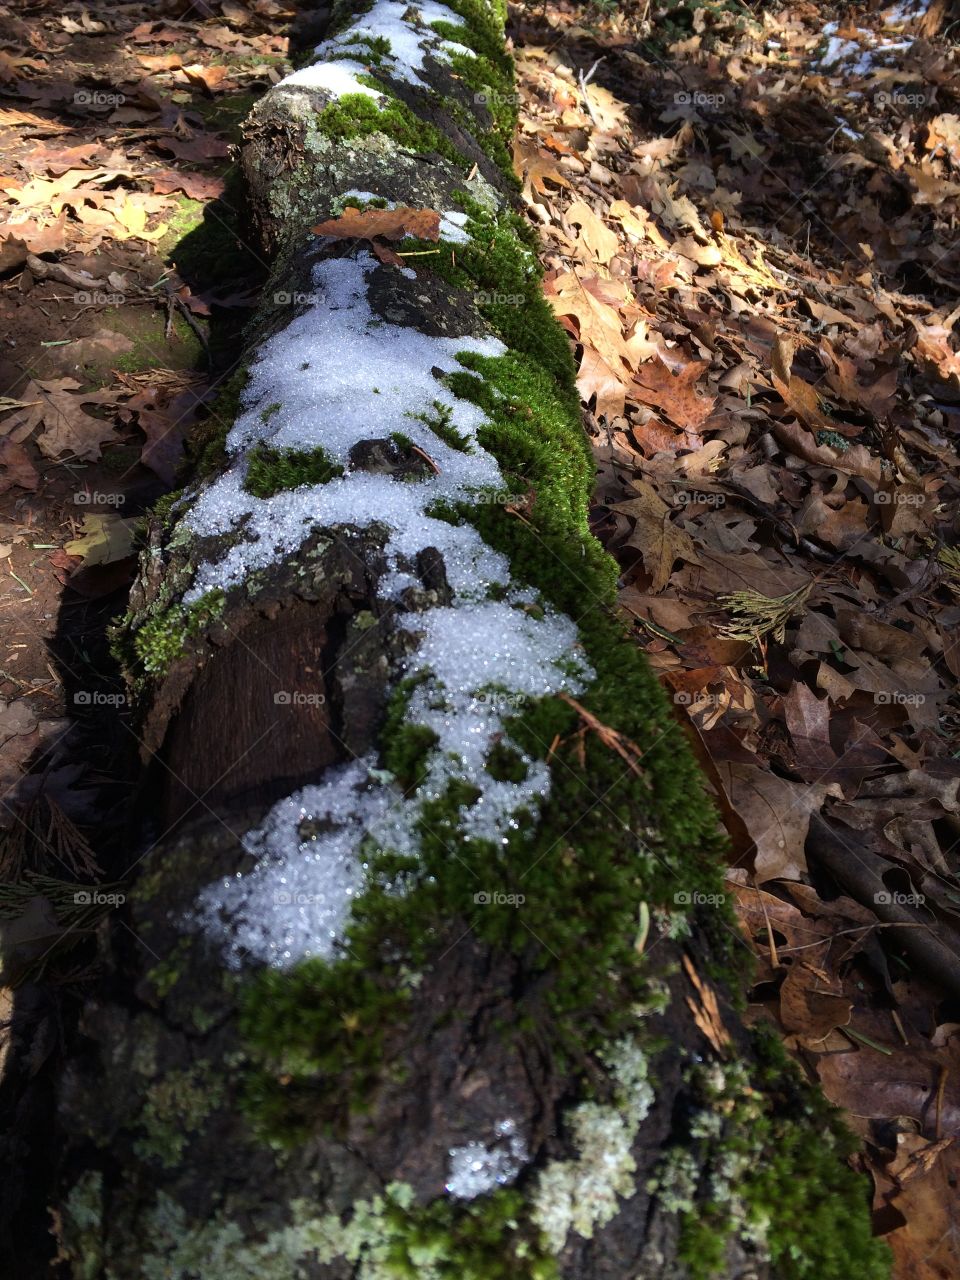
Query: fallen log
[(397, 990)]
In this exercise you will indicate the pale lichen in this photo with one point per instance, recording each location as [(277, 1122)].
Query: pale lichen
[(584, 1193)]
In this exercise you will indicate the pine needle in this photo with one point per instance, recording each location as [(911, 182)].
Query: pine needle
[(949, 559), (754, 616)]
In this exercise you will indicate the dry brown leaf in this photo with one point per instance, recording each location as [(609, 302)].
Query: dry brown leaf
[(594, 233), (67, 428), (777, 814), (16, 469), (796, 394), (386, 224), (589, 309), (659, 541), (22, 238), (672, 385)]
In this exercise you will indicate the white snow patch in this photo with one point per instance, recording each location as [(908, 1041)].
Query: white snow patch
[(337, 78), (452, 227), (869, 50), (293, 904), (408, 30)]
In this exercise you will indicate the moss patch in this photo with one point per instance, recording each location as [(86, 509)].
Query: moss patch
[(767, 1162), (161, 639), (151, 346), (355, 115), (174, 1105), (500, 268), (439, 424), (269, 471)]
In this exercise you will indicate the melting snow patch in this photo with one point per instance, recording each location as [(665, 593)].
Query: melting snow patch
[(294, 902), (870, 50), (410, 43), (337, 78)]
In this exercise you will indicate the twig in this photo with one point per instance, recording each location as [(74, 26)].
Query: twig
[(584, 81), (627, 750)]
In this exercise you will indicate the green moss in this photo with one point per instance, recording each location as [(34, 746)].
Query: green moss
[(270, 470), (185, 216), (482, 31), (492, 88), (163, 508), (500, 268), (160, 640), (167, 973), (505, 764), (81, 1226), (355, 115), (439, 424), (181, 349), (369, 49), (207, 441), (226, 112)]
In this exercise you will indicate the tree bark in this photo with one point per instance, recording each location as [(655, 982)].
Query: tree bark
[(495, 1064)]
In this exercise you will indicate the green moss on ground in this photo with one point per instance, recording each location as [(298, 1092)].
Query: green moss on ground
[(186, 216), (439, 423), (147, 330)]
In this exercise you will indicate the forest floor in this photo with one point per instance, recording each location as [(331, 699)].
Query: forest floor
[(750, 228)]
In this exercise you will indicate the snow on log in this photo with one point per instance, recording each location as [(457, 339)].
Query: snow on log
[(398, 988)]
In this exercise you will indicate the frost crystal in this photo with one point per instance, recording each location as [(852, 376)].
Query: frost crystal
[(476, 1169)]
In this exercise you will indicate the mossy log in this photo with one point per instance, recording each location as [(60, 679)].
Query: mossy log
[(398, 988)]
